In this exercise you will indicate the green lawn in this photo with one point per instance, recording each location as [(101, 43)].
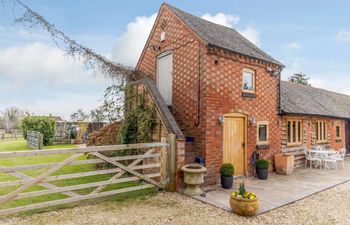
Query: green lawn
[(20, 144)]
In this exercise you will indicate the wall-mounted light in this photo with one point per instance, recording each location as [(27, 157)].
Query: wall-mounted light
[(252, 120), (216, 60), (221, 119), (154, 48)]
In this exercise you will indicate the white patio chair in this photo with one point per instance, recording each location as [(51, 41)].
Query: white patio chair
[(340, 156), (330, 160), (311, 158)]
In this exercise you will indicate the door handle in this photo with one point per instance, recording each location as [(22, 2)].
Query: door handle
[(243, 145)]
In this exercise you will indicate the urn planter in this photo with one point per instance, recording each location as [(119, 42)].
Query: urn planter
[(244, 203), (193, 178), (243, 206), (284, 164)]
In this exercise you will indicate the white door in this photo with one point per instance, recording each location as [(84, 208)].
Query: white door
[(165, 76)]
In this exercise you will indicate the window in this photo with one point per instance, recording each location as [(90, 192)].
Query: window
[(337, 131), (321, 131), (263, 133), (294, 132), (248, 81)]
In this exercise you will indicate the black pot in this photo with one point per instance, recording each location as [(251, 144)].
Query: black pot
[(226, 182), (262, 173)]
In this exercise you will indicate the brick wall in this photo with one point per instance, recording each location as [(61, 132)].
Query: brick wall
[(223, 94), (202, 87), (186, 48)]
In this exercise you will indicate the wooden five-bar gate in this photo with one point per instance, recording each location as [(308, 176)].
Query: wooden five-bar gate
[(152, 164)]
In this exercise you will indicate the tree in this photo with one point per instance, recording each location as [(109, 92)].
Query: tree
[(299, 78), (79, 116), (12, 117), (96, 115)]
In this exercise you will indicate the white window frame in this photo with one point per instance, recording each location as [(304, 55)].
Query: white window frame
[(253, 80)]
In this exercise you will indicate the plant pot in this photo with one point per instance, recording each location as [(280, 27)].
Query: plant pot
[(193, 178), (244, 207), (226, 182), (262, 173), (284, 164)]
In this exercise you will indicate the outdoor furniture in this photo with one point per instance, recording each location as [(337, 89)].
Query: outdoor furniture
[(312, 158), (328, 157), (339, 156)]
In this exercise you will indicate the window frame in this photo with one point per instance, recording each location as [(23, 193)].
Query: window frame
[(337, 125), (253, 80), (290, 141), (258, 142), (324, 129)]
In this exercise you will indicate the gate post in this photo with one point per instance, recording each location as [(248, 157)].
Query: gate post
[(172, 163), (164, 164)]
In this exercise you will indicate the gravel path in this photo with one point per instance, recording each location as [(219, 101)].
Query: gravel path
[(329, 207)]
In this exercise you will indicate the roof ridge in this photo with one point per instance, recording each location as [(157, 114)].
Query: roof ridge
[(318, 88)]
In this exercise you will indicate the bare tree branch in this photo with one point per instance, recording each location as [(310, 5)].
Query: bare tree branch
[(91, 59)]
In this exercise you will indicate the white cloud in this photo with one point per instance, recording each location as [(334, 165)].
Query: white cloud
[(251, 34), (129, 46), (227, 20), (38, 61), (343, 36), (293, 46)]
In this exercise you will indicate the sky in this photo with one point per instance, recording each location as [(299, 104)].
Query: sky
[(312, 37)]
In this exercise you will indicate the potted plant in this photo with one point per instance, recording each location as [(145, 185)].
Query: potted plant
[(227, 172), (262, 168), (244, 203)]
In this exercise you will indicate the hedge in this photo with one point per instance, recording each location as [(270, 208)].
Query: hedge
[(42, 124)]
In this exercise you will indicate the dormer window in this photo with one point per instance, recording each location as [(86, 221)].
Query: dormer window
[(248, 81)]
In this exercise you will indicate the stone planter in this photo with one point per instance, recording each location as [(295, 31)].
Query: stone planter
[(244, 207), (193, 178), (284, 164)]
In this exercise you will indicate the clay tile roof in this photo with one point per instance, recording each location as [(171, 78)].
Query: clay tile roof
[(307, 100), (222, 37)]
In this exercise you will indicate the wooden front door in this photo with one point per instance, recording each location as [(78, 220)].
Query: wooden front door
[(234, 143)]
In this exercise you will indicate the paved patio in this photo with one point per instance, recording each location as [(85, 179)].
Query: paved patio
[(280, 190)]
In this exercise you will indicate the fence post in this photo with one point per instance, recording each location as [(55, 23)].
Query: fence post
[(172, 163), (41, 141), (164, 164)]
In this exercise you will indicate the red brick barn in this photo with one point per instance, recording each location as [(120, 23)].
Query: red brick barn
[(221, 88), (225, 95)]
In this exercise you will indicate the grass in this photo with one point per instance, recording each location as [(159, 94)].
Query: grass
[(20, 144)]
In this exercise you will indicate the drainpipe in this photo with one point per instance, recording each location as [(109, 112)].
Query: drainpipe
[(199, 87)]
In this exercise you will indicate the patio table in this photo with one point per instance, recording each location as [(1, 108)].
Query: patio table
[(323, 155)]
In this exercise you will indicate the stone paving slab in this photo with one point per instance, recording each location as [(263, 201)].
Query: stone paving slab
[(280, 190)]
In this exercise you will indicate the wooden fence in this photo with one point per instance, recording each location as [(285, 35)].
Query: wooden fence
[(150, 164), (11, 134), (35, 140)]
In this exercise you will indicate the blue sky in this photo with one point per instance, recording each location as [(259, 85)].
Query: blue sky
[(312, 37)]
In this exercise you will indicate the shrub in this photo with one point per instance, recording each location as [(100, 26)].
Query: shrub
[(262, 164), (42, 124), (227, 169)]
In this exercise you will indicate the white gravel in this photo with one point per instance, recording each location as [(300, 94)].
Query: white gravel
[(329, 207)]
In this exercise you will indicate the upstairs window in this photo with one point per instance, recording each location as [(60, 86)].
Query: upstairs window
[(263, 133), (294, 132), (248, 81), (321, 131)]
